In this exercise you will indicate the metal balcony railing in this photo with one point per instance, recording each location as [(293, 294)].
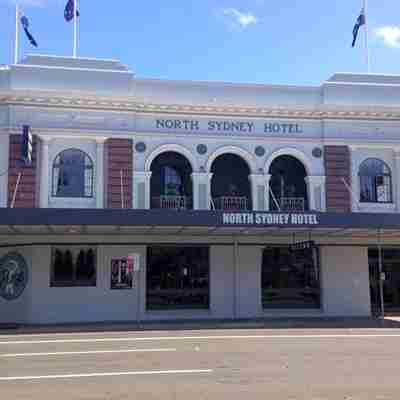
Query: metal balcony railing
[(292, 204), (231, 203), (171, 202)]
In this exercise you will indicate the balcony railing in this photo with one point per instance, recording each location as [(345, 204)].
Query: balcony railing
[(171, 202), (292, 204), (231, 203)]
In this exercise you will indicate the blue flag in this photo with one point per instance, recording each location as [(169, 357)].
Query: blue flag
[(25, 24), (361, 20), (69, 11)]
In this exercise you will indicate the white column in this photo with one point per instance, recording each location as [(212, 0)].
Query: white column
[(201, 200), (141, 189), (258, 182), (100, 173), (45, 173), (4, 164), (316, 192), (267, 179)]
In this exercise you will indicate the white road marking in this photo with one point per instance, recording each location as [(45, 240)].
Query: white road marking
[(102, 374), (216, 337), (67, 353)]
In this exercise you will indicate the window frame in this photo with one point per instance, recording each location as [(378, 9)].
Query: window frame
[(168, 308), (278, 291), (75, 250), (373, 179), (91, 168)]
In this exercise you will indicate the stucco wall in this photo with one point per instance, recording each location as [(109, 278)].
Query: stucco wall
[(249, 281), (344, 288), (100, 303), (345, 281)]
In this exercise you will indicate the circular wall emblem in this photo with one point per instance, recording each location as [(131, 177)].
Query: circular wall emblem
[(317, 152), (260, 151), (201, 149), (13, 276), (140, 147)]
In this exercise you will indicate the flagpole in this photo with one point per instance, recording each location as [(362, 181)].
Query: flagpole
[(367, 50), (75, 28), (16, 34)]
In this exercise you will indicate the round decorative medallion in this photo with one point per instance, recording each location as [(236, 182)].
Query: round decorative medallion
[(140, 147), (13, 276), (202, 149), (260, 151), (317, 152)]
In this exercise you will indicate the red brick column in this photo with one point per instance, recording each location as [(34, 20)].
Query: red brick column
[(118, 156), (27, 194), (337, 167)]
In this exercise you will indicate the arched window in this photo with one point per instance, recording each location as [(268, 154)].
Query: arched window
[(72, 174), (375, 182)]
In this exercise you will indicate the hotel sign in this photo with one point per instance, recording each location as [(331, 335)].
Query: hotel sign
[(226, 126), (272, 219)]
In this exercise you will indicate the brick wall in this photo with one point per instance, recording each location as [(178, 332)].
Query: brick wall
[(118, 156), (27, 194), (337, 167)]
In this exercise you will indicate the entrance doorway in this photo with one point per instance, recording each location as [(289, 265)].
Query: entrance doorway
[(391, 284)]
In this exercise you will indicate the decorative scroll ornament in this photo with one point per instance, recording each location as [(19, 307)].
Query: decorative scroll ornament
[(13, 276)]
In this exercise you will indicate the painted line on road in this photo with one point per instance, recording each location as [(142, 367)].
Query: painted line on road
[(67, 353), (104, 374), (216, 337)]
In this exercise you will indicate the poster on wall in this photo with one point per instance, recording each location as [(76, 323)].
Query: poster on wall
[(121, 274)]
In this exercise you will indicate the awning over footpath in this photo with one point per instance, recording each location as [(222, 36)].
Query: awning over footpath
[(128, 221)]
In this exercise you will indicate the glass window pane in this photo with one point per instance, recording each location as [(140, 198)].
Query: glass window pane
[(177, 277), (290, 279), (375, 182), (73, 174), (73, 266)]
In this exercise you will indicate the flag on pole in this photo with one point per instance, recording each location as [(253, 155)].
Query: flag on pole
[(69, 11), (25, 24), (361, 20)]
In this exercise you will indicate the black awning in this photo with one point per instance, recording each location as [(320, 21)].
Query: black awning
[(195, 218)]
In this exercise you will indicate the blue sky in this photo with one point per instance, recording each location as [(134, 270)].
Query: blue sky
[(265, 41)]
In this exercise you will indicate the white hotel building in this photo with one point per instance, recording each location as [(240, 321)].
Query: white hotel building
[(152, 199)]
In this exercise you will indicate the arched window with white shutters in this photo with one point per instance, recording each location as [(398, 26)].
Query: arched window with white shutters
[(375, 182), (73, 174)]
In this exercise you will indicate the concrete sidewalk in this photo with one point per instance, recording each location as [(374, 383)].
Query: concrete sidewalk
[(180, 325)]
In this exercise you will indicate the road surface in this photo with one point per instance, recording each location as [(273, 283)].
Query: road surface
[(216, 364)]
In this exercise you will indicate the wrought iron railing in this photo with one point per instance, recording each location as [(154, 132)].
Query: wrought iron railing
[(291, 204), (231, 203), (171, 202)]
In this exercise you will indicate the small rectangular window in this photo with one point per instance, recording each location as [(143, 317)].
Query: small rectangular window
[(73, 266)]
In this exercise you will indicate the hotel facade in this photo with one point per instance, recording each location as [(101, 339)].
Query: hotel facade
[(153, 199)]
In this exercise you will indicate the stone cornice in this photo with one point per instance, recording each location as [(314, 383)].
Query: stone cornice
[(131, 105)]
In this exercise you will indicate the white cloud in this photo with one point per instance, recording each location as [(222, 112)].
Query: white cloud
[(238, 19), (390, 35)]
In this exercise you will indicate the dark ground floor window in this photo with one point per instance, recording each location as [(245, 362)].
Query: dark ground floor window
[(290, 278), (73, 266), (391, 284), (177, 278)]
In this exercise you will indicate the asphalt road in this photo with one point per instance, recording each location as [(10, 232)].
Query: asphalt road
[(217, 364)]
